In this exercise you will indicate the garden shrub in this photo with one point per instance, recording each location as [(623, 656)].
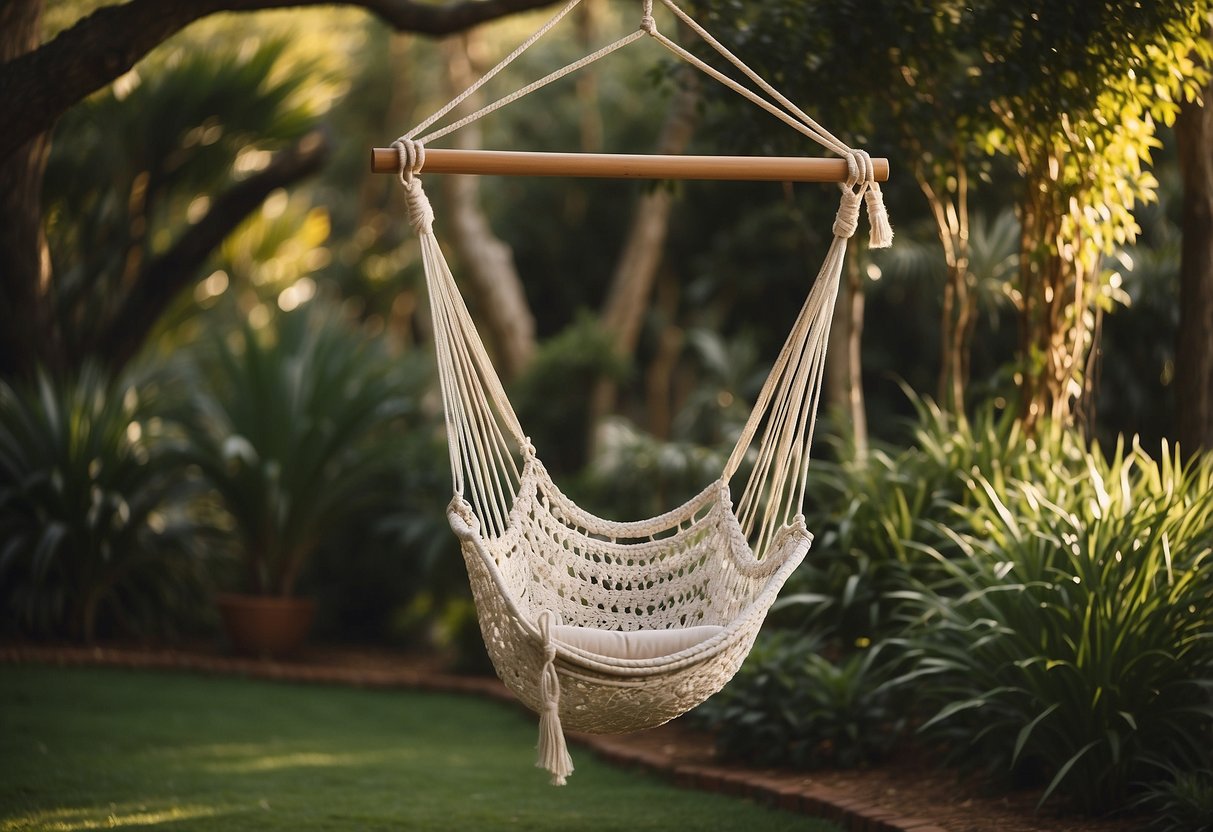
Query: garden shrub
[(1043, 609), (872, 512), (101, 530), (1069, 644), (1182, 800), (294, 425), (790, 705)]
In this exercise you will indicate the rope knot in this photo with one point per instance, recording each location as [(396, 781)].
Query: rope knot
[(847, 219), (410, 157), (860, 170), (861, 185), (421, 213), (647, 23)]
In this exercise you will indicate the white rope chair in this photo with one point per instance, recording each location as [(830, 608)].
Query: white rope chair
[(605, 626)]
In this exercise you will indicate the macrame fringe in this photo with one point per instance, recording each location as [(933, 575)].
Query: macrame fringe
[(880, 232), (553, 751)]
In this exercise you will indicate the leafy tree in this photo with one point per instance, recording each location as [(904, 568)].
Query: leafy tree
[(39, 82), (1069, 92), (131, 222), (1076, 90)]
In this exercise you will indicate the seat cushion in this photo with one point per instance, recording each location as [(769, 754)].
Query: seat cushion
[(636, 644)]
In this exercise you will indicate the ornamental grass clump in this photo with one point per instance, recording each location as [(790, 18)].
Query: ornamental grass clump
[(292, 426), (871, 511), (1068, 643), (101, 531)]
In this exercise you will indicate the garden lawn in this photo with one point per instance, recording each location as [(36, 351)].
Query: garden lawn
[(111, 749)]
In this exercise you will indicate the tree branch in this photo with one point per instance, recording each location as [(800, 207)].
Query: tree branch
[(37, 87), (164, 277)]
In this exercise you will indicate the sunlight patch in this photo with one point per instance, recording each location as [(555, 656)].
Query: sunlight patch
[(108, 817)]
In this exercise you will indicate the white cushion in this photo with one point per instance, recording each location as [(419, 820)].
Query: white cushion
[(637, 644)]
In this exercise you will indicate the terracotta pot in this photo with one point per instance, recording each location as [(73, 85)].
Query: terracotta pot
[(266, 625)]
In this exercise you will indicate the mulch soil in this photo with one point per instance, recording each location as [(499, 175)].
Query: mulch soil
[(903, 795)]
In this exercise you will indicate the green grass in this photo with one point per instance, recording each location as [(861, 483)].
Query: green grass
[(109, 749)]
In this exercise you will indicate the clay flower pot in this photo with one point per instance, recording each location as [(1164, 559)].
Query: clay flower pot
[(294, 426), (266, 625)]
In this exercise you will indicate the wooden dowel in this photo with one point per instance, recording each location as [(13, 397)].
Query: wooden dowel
[(620, 166)]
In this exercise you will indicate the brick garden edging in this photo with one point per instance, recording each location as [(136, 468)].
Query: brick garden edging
[(784, 791)]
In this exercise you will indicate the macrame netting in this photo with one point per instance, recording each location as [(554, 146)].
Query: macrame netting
[(540, 566)]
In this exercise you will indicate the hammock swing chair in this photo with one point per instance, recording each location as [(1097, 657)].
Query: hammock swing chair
[(609, 627)]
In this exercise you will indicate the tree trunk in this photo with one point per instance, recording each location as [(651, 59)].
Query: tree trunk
[(659, 378), (488, 262), (1055, 296), (1194, 343), (590, 117), (844, 363), (24, 260), (951, 215), (632, 283)]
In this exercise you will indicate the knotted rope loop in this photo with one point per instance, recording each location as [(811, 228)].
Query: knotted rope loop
[(647, 23), (528, 448), (546, 619), (847, 219), (861, 184), (410, 156), (860, 170), (421, 213)]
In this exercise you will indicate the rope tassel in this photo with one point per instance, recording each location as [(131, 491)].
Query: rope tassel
[(880, 232), (553, 751)]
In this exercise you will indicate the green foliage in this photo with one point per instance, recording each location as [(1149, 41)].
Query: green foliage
[(99, 531), (552, 396), (872, 512), (138, 164), (1069, 94), (1181, 802), (1069, 642), (290, 425), (386, 553), (1050, 604), (634, 475), (790, 705)]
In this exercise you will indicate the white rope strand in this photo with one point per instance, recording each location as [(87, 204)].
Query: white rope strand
[(818, 133), (488, 76), (534, 85), (483, 429)]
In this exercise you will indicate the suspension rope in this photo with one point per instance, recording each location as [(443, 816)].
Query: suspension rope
[(478, 413)]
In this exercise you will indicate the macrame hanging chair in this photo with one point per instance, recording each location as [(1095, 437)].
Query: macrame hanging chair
[(603, 626)]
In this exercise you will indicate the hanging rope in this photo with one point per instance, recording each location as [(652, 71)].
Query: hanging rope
[(482, 426)]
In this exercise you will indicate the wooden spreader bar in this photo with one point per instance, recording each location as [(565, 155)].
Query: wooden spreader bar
[(622, 166)]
